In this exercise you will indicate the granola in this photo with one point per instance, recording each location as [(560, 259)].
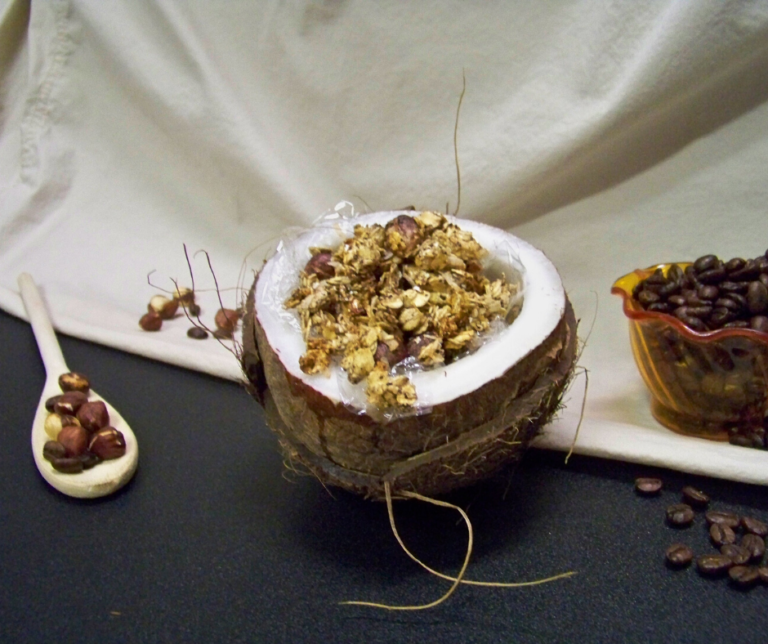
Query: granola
[(411, 293)]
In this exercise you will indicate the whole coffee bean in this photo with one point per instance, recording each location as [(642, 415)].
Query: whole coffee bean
[(759, 323), (720, 317), (727, 287), (648, 486), (735, 264), (669, 289), (659, 307), (657, 277), (53, 449), (737, 554), (757, 297), (762, 263), (748, 272), (723, 517), (704, 263), (727, 303), (713, 565), (754, 526), (675, 273), (712, 276), (721, 534), (646, 297), (754, 544), (695, 324), (707, 292), (744, 576), (680, 515), (679, 555), (702, 311), (89, 460), (197, 333), (691, 276), (695, 498), (739, 298), (67, 464), (674, 300)]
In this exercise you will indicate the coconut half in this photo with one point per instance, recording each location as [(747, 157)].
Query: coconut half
[(472, 417)]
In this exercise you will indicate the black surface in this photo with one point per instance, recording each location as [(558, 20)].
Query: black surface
[(213, 541)]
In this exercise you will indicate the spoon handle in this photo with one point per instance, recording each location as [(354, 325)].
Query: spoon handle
[(49, 347)]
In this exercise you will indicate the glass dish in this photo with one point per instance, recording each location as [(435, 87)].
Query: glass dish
[(707, 384)]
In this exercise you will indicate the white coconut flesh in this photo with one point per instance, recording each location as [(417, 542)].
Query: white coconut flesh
[(543, 306)]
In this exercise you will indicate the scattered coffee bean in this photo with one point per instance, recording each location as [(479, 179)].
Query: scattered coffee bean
[(695, 498), (197, 333), (744, 576), (648, 486), (713, 565), (89, 460), (723, 517), (680, 515), (755, 545), (754, 526), (737, 554), (679, 555), (721, 534)]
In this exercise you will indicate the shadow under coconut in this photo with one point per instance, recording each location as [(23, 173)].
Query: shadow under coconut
[(356, 533)]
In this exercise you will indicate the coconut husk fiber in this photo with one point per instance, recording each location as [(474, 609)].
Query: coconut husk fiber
[(454, 445)]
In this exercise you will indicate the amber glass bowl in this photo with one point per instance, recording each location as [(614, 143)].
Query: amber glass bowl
[(702, 384)]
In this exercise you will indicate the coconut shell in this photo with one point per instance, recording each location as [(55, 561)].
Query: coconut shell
[(455, 444)]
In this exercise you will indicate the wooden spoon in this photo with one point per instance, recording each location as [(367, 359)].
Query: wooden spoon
[(107, 476)]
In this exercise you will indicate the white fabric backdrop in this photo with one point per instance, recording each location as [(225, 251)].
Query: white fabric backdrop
[(610, 134)]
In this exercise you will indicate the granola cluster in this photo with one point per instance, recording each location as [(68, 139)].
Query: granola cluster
[(411, 293)]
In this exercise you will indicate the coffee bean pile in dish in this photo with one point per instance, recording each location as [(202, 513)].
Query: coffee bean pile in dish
[(79, 429), (711, 294), (699, 336), (407, 349), (738, 541)]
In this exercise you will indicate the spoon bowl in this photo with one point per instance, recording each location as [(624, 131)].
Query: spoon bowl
[(107, 476)]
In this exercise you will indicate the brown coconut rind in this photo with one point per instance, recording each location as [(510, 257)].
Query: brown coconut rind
[(456, 444)]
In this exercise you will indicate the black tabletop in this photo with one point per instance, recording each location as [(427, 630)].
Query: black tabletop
[(214, 540)]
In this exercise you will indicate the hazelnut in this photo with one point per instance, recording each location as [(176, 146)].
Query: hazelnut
[(388, 356), (403, 235), (55, 422), (226, 319), (107, 443), (68, 404), (52, 401), (163, 306), (223, 334), (151, 321), (73, 381), (74, 439), (53, 449), (320, 265), (184, 296), (67, 464), (93, 416)]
